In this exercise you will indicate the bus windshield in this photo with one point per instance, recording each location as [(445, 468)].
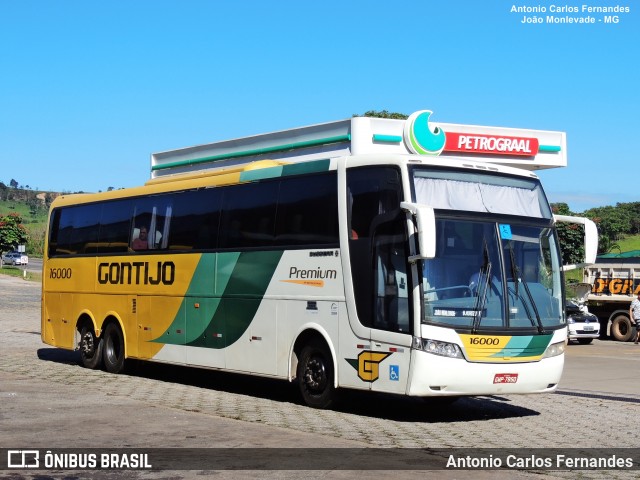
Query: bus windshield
[(493, 275), (490, 273)]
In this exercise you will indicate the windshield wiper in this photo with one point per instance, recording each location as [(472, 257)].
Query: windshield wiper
[(483, 286), (518, 279), (515, 274), (533, 304)]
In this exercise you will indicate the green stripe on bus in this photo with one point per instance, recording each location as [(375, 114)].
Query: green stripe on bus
[(301, 168), (261, 174), (221, 321), (525, 346), (211, 268)]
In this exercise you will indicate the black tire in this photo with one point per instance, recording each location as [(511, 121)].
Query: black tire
[(315, 376), (113, 348), (585, 341), (90, 348), (621, 329)]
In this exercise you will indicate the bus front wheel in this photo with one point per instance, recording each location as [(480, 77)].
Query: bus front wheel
[(113, 348), (315, 376), (90, 348)]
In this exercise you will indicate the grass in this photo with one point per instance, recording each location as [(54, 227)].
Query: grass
[(20, 273), (630, 242), (21, 208)]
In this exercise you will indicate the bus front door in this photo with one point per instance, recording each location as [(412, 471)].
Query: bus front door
[(391, 329)]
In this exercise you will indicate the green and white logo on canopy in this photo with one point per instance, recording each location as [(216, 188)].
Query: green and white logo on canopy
[(419, 137)]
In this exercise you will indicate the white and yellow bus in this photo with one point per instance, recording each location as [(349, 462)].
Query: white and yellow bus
[(365, 254)]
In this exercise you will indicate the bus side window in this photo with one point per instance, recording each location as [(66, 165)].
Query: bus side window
[(151, 221), (307, 211), (248, 215), (195, 219)]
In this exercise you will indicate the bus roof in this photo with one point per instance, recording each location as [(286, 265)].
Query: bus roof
[(524, 149)]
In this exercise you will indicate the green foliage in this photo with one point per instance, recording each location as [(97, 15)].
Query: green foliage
[(12, 232), (614, 225), (571, 236), (627, 244), (35, 243), (561, 209), (383, 114), (33, 208), (20, 272), (611, 221)]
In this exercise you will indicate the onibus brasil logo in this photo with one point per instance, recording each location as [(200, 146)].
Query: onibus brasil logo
[(420, 138)]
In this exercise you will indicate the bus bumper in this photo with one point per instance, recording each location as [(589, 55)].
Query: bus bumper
[(434, 375)]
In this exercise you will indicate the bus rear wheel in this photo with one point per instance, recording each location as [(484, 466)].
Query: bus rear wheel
[(90, 348), (315, 376), (113, 348)]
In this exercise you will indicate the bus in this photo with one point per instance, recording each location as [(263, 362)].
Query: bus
[(361, 254)]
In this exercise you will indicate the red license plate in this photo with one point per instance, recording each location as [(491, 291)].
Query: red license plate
[(505, 378)]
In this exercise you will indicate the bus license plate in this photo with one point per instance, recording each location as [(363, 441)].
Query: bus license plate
[(505, 378)]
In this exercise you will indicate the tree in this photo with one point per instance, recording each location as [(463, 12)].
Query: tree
[(632, 212), (383, 114), (571, 236), (13, 183), (612, 222), (12, 232), (35, 243)]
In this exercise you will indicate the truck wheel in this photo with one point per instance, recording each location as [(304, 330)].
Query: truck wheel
[(113, 348), (621, 328), (315, 376)]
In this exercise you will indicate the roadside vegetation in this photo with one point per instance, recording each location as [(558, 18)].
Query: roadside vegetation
[(21, 273)]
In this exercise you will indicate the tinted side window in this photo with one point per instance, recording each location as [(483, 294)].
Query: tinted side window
[(308, 211), (77, 230), (248, 218), (114, 227), (54, 232), (196, 215), (377, 248), (151, 222), (372, 192)]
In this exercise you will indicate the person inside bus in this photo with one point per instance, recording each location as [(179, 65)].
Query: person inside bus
[(140, 242)]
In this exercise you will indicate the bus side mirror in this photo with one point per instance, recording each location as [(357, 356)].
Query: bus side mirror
[(425, 221), (590, 239)]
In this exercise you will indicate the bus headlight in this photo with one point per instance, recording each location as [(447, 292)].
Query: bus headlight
[(444, 349), (554, 350)]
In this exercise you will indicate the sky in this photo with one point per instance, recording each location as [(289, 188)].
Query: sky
[(89, 90)]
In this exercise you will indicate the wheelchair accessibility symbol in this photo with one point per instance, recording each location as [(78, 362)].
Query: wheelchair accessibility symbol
[(394, 372)]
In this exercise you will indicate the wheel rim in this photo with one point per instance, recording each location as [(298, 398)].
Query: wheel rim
[(315, 374), (87, 345)]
